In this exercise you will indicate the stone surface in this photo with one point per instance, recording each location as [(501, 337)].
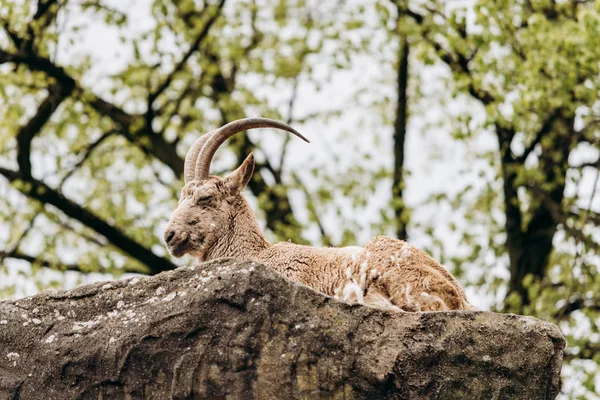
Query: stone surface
[(237, 330)]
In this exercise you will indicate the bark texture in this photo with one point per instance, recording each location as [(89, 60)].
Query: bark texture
[(238, 330)]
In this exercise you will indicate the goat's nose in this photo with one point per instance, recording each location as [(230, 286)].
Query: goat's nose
[(169, 235)]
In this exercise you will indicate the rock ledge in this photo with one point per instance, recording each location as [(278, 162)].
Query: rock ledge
[(238, 330)]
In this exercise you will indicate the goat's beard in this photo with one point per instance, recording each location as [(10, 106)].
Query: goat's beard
[(199, 255)]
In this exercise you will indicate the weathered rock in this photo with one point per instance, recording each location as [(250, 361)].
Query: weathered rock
[(238, 330)]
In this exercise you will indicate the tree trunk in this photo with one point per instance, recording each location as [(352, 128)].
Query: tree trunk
[(530, 247), (400, 211)]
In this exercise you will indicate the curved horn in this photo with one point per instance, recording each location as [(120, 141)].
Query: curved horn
[(226, 131), (192, 155)]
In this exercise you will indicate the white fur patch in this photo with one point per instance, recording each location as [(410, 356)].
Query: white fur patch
[(352, 293), (405, 253), (353, 252), (356, 250)]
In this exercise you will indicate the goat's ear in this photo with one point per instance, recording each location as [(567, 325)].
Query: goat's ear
[(238, 179)]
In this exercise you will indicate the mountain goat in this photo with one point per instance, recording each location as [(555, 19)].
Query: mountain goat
[(214, 220)]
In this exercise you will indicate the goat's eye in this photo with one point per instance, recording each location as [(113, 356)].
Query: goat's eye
[(204, 199)]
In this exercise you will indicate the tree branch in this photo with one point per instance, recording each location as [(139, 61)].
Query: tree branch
[(99, 6), (190, 90), (155, 144), (37, 63), (289, 120), (201, 36), (458, 63), (589, 215), (63, 222), (587, 350), (19, 255), (43, 7), (14, 38), (40, 21), (404, 10), (86, 154), (41, 192), (143, 137), (559, 216), (254, 41), (310, 205), (22, 236), (587, 164), (543, 131), (56, 94)]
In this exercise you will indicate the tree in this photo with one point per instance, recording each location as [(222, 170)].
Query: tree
[(532, 67)]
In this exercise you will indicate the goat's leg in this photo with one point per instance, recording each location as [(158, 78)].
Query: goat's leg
[(415, 288)]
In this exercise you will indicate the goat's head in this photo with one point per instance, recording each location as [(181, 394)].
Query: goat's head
[(208, 203)]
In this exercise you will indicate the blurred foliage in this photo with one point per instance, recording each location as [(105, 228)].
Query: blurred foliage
[(92, 158)]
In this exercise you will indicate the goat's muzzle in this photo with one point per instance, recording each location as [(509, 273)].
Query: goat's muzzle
[(177, 242)]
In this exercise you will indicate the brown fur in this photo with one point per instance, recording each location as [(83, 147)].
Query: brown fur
[(213, 220), (408, 277)]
